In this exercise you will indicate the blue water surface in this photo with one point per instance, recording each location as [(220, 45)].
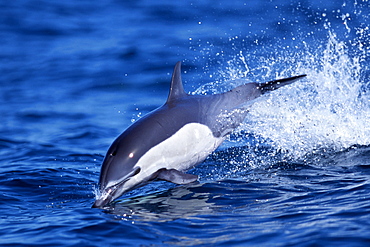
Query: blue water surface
[(75, 74)]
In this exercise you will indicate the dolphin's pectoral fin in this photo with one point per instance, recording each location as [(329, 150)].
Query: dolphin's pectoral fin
[(176, 177)]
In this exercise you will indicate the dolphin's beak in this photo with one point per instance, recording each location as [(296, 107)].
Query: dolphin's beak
[(104, 198), (101, 202), (110, 193)]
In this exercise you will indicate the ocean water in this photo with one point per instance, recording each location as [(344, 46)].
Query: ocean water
[(75, 74)]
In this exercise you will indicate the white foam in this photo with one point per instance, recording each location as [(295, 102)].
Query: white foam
[(328, 109)]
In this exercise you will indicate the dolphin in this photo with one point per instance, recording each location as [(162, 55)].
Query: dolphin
[(175, 137)]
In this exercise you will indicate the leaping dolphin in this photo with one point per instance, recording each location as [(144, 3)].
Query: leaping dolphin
[(175, 137)]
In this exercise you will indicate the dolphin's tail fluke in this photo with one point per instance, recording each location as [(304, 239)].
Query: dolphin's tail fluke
[(275, 84)]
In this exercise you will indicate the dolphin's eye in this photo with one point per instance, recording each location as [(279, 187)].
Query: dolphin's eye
[(113, 153)]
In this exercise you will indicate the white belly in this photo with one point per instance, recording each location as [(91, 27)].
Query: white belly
[(183, 150)]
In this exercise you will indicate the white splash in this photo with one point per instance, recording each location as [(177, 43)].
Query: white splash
[(329, 109)]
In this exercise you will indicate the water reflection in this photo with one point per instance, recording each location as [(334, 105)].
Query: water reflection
[(183, 202)]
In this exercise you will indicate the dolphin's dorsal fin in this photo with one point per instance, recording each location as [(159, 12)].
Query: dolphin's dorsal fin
[(177, 89)]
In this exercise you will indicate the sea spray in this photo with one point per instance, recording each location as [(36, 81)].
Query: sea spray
[(329, 109)]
